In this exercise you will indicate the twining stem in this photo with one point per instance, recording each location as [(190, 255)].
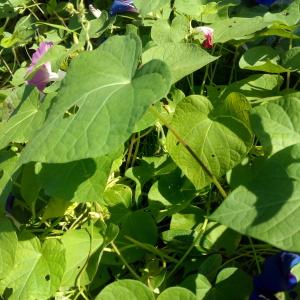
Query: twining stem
[(137, 140), (196, 241), (236, 52), (255, 255), (130, 149), (191, 151), (134, 274), (151, 249), (288, 74)]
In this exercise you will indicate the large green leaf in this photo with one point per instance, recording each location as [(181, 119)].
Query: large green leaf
[(277, 123), (220, 136), (289, 16), (107, 96), (37, 271), (261, 58), (264, 203), (126, 289), (80, 245), (8, 246), (176, 293), (181, 58), (236, 28)]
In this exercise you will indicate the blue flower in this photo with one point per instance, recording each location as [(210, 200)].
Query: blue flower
[(122, 6), (265, 2), (276, 276)]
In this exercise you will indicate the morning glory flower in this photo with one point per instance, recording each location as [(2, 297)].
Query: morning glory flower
[(44, 74), (265, 2), (276, 276), (122, 6), (208, 34)]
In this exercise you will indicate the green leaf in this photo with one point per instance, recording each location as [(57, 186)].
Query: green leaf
[(277, 122), (126, 289), (25, 121), (144, 7), (37, 270), (176, 293), (140, 225), (76, 261), (8, 246), (55, 208), (261, 58), (80, 181), (119, 200), (289, 16), (228, 278), (172, 189), (217, 237), (104, 85), (256, 86), (291, 59), (182, 59), (198, 284), (163, 32), (236, 28), (8, 172), (264, 203), (188, 218), (210, 266), (30, 186), (220, 136)]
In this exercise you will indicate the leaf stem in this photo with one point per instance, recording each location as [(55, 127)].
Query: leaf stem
[(197, 239), (255, 255), (134, 274), (191, 151), (233, 65)]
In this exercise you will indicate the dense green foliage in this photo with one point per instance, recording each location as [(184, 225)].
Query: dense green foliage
[(156, 168)]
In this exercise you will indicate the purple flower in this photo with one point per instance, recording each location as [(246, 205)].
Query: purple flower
[(122, 6), (44, 74), (276, 276), (265, 2)]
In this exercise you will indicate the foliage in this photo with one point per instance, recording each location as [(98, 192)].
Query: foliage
[(151, 166)]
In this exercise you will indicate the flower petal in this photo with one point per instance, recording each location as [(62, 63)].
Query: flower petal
[(122, 6)]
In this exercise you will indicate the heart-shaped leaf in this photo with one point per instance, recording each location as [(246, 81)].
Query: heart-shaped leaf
[(220, 136), (265, 202), (126, 289), (182, 59), (277, 123), (101, 99)]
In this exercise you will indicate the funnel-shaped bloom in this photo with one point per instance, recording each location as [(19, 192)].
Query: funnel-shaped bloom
[(122, 6), (208, 34), (276, 276), (44, 74)]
